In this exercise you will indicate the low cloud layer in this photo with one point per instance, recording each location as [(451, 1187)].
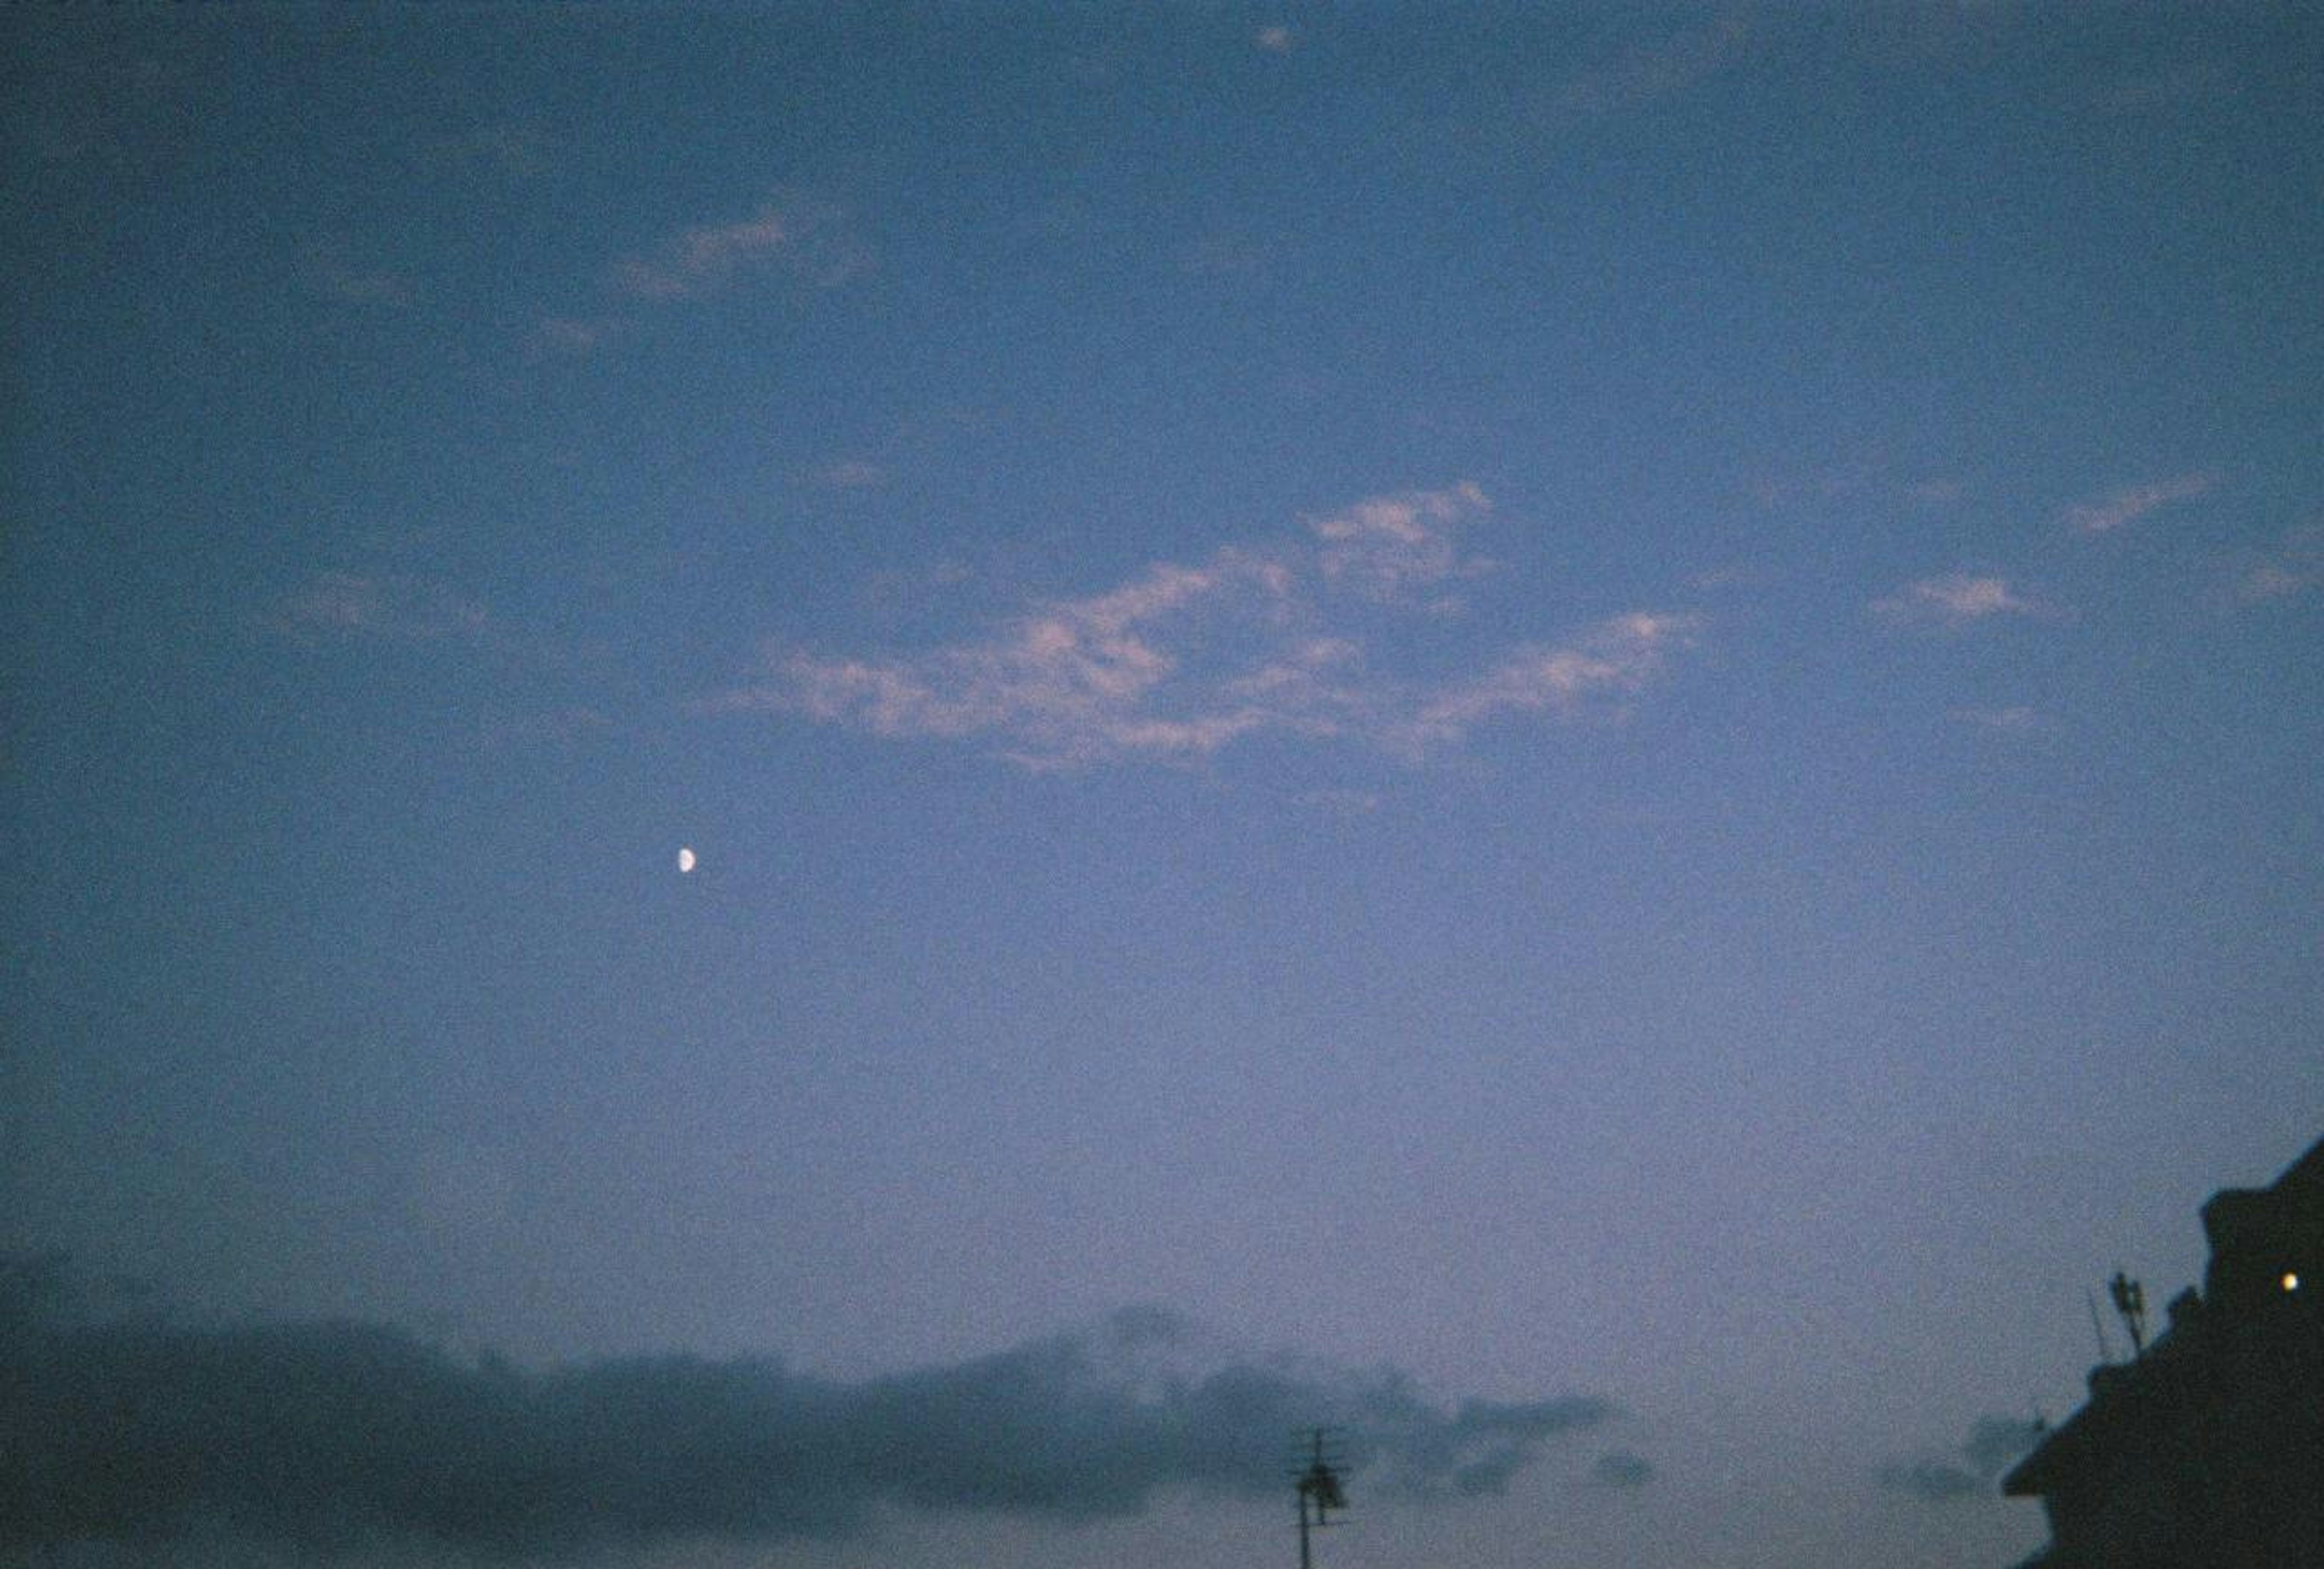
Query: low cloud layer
[(1973, 1471), (341, 1437), (1183, 660)]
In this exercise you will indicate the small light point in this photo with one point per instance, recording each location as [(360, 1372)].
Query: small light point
[(2291, 1281)]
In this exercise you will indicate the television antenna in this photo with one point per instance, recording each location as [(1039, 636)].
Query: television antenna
[(1318, 1485), (2130, 1301), (2097, 1328)]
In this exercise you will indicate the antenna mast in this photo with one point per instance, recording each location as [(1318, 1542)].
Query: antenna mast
[(1319, 1488), (2130, 1301), (2097, 1327)]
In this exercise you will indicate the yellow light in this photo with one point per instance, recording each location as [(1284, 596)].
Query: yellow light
[(2291, 1280)]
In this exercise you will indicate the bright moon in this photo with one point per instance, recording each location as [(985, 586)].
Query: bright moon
[(685, 859)]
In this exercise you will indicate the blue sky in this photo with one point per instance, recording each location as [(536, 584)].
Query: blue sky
[(1605, 712)]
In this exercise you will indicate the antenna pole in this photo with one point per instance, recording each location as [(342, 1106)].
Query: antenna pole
[(2097, 1327), (2130, 1301), (1318, 1487)]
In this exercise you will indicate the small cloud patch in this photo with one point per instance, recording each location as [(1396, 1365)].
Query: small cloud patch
[(1954, 599), (1973, 1471), (1622, 1469)]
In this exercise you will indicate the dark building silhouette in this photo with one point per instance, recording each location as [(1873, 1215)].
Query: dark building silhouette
[(2207, 1449)]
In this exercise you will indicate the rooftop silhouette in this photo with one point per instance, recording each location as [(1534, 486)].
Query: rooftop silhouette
[(2207, 1447)]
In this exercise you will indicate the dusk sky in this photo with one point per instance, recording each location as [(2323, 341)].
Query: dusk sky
[(1582, 737)]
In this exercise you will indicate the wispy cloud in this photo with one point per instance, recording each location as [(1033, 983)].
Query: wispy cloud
[(805, 238), (1076, 682), (339, 1437), (1274, 40), (2133, 502), (1618, 655), (1183, 660), (347, 603), (702, 259), (2294, 566), (1954, 599), (1389, 546), (789, 235)]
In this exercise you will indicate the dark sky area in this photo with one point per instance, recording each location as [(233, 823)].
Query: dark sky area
[(1584, 737)]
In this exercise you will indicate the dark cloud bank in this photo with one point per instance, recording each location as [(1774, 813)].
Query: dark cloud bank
[(334, 1435), (1994, 1442)]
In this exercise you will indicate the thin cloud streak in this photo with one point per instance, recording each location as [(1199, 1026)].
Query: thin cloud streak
[(338, 1438), (1954, 599), (2129, 505), (705, 260), (699, 261), (1618, 655), (2294, 568), (789, 235), (337, 605), (1183, 660)]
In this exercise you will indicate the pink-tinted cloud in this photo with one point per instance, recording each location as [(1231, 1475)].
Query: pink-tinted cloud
[(345, 604), (807, 239), (2294, 566), (701, 260), (1954, 599), (1078, 681), (2134, 501), (1392, 545), (1617, 656), (1182, 660)]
